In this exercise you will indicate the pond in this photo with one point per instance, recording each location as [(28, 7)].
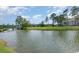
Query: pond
[(36, 41)]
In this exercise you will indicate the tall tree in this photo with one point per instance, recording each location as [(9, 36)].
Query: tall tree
[(76, 18), (52, 17), (74, 10), (60, 19), (46, 19), (25, 23), (65, 13), (42, 23), (19, 20), (22, 22)]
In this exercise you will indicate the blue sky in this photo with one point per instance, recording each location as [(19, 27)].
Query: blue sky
[(35, 14)]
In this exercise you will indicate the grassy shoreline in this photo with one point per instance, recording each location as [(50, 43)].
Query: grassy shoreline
[(55, 28), (2, 30), (4, 48)]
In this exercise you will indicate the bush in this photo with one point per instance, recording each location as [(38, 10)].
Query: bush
[(25, 28)]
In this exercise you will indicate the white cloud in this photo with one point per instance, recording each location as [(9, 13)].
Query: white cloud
[(36, 19), (26, 17), (15, 10), (56, 9), (37, 16), (6, 10), (49, 14)]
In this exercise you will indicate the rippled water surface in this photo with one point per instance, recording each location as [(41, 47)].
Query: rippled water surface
[(42, 41)]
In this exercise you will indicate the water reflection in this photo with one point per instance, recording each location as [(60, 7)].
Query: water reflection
[(43, 41), (76, 42)]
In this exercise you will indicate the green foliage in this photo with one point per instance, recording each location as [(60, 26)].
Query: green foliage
[(24, 28), (19, 20), (65, 12), (46, 19), (74, 10), (60, 19), (22, 22), (52, 17), (4, 49), (41, 24), (76, 17)]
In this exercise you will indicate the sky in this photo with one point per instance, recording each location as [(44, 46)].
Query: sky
[(34, 14)]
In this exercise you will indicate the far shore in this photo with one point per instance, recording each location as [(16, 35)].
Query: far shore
[(2, 30), (50, 28), (55, 28)]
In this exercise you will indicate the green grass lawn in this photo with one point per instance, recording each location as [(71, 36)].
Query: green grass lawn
[(4, 48), (55, 28)]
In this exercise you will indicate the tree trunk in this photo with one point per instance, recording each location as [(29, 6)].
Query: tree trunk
[(52, 22)]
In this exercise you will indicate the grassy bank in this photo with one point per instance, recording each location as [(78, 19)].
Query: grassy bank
[(2, 30), (55, 28), (4, 48)]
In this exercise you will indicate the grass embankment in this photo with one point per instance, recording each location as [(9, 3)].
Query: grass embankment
[(4, 48), (55, 28), (2, 30)]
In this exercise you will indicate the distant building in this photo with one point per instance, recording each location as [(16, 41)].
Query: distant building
[(72, 21)]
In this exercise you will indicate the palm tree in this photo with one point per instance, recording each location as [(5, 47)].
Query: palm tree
[(74, 10), (46, 19), (65, 14), (65, 11), (76, 19), (60, 19), (42, 23), (52, 17)]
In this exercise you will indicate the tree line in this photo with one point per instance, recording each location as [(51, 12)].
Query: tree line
[(73, 12), (54, 17), (20, 21), (23, 23)]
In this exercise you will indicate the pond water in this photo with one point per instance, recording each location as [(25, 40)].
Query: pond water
[(36, 41)]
